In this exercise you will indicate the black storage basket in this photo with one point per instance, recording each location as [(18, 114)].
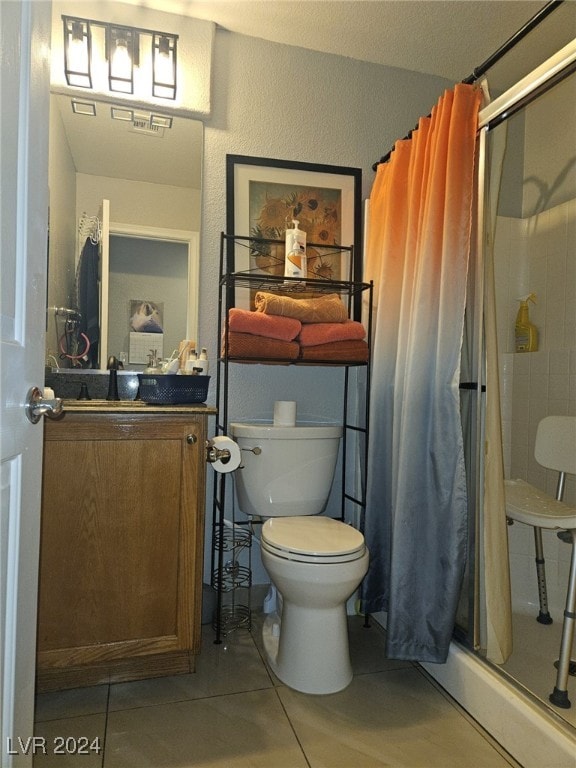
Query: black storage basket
[(173, 389)]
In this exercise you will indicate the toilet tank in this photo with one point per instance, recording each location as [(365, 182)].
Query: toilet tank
[(285, 471)]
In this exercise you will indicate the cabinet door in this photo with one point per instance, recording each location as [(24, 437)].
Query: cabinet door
[(122, 537)]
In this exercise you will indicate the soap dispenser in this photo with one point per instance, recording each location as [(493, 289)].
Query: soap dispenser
[(153, 366), (526, 334)]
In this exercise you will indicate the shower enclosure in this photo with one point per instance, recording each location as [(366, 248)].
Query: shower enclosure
[(535, 252), (532, 238)]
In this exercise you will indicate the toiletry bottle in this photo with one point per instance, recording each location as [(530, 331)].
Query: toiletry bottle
[(202, 361), (296, 261), (191, 363), (526, 334)]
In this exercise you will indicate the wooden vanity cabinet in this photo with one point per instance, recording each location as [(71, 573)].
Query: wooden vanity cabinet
[(122, 543)]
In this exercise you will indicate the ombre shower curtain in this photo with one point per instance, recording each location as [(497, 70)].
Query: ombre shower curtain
[(417, 256)]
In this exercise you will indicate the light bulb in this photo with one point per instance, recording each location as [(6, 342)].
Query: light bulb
[(121, 61), (77, 49), (162, 63)]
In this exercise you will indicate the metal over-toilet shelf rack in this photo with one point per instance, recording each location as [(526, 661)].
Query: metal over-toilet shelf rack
[(247, 265)]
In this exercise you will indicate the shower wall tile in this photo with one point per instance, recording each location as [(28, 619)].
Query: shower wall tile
[(523, 581), (539, 234), (558, 230), (559, 361), (564, 556), (520, 539), (560, 407), (521, 387), (558, 387), (539, 408), (537, 363), (522, 364), (537, 474), (538, 387)]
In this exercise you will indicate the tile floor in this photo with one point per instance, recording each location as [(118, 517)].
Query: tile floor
[(232, 713)]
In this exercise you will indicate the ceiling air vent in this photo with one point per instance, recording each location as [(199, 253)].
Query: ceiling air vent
[(143, 122), (143, 126)]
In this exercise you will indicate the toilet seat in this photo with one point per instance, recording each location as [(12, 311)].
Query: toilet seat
[(319, 540)]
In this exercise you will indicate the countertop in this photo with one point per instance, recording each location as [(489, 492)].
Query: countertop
[(133, 406)]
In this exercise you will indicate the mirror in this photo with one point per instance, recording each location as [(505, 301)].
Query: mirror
[(147, 166)]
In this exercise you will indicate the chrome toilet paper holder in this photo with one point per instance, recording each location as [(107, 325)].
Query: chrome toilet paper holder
[(214, 454)]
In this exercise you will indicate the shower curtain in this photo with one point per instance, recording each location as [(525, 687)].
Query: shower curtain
[(493, 545), (417, 256)]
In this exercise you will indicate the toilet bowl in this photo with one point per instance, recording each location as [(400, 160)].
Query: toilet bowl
[(315, 562)]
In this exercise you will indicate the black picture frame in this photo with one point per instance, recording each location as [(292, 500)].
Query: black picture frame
[(241, 170)]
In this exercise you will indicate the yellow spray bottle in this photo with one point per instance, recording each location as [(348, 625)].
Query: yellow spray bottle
[(526, 333)]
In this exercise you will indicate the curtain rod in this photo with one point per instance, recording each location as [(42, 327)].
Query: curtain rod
[(538, 17)]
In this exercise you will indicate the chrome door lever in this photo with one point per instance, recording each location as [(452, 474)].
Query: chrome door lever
[(36, 406)]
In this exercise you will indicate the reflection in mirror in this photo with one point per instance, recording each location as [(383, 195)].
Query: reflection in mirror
[(148, 167), (152, 284)]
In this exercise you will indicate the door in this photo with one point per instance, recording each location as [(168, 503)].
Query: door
[(104, 216), (24, 75)]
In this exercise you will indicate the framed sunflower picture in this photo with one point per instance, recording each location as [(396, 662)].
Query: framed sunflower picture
[(263, 198)]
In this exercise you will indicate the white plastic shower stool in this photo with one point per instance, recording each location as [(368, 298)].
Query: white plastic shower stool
[(555, 448)]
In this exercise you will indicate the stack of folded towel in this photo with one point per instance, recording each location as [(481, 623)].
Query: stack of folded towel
[(284, 328)]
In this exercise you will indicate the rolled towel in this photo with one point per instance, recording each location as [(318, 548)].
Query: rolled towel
[(261, 324), (323, 333), (352, 351), (318, 309), (248, 345)]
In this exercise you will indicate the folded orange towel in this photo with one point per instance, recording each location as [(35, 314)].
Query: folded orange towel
[(353, 351), (320, 309), (248, 345), (261, 324), (323, 333)]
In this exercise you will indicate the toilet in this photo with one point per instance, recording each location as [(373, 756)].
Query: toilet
[(316, 563)]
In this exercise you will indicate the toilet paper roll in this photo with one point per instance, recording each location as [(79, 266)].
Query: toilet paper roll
[(285, 413), (226, 465)]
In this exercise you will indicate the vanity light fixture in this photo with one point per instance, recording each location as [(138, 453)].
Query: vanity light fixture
[(121, 49)]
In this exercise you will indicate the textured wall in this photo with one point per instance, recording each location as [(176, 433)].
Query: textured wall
[(277, 101), (283, 102)]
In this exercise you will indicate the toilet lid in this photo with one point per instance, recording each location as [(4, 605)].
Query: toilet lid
[(320, 539)]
